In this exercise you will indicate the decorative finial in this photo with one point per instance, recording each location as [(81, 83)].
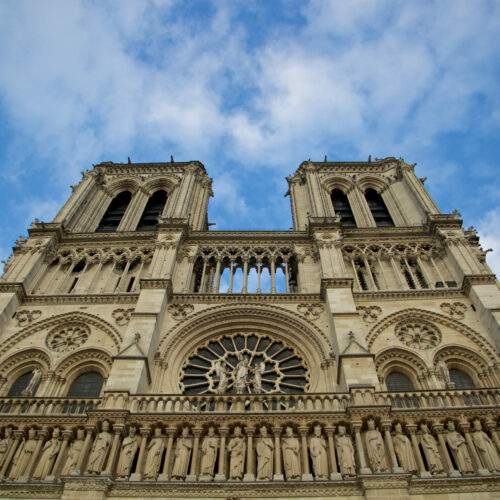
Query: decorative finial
[(369, 158), (326, 158), (129, 161), (171, 159)]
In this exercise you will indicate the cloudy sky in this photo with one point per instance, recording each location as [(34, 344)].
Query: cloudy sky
[(251, 89)]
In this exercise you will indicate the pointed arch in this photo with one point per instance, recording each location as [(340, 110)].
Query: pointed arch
[(87, 319), (414, 314)]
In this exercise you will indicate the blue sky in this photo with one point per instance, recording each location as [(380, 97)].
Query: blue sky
[(251, 89)]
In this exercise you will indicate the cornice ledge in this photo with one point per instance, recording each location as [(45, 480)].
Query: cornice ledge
[(43, 228), (34, 490), (272, 236), (402, 294), (114, 237), (157, 284), (385, 481), (435, 221), (323, 223), (14, 287), (476, 279), (122, 298), (245, 297), (82, 483), (335, 283)]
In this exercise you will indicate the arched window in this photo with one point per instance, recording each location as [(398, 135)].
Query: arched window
[(86, 385), (378, 209), (21, 384), (152, 211), (343, 208), (461, 379), (397, 382), (114, 213)]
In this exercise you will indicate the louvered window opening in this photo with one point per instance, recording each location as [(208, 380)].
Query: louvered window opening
[(152, 211), (114, 213), (343, 208)]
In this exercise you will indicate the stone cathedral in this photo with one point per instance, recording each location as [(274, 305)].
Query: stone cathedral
[(143, 355)]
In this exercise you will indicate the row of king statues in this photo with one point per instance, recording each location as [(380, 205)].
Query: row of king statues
[(235, 453)]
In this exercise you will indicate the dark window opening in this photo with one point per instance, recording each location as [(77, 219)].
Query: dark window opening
[(461, 379), (130, 284), (87, 385), (114, 214), (343, 208), (397, 382), (75, 281), (152, 211), (21, 384), (378, 209)]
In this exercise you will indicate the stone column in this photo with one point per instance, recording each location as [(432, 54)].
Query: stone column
[(439, 429), (416, 451), (57, 465), (278, 474), (250, 474), (17, 438), (335, 474), (194, 459), (245, 275), (306, 471), (137, 475), (115, 448), (363, 467), (273, 275), (42, 436), (90, 428), (171, 431), (223, 432), (386, 426), (465, 428), (491, 426)]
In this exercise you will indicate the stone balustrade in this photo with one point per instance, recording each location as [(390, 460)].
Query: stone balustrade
[(47, 406)]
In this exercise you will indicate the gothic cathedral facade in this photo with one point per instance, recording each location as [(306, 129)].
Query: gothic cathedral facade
[(143, 355)]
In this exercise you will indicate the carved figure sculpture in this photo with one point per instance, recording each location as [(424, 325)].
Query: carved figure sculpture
[(432, 455), (222, 377), (33, 383), (458, 447), (264, 448), (375, 448), (291, 458), (127, 453), (49, 453), (5, 444), (154, 452), (208, 455), (345, 451), (236, 449), (182, 455), (485, 448), (257, 377), (75, 449), (99, 450), (23, 456), (319, 457), (240, 374), (445, 373), (404, 450)]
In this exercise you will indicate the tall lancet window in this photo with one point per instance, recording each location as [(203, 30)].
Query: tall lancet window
[(153, 210), (111, 219), (343, 208), (378, 209)]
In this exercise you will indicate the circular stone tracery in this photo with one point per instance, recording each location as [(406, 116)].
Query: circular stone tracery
[(419, 335), (67, 338), (244, 364)]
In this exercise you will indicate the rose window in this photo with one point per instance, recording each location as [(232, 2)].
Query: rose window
[(67, 338), (418, 335), (244, 364)]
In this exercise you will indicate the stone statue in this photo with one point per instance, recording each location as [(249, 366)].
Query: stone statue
[(404, 450), (23, 456), (33, 383), (75, 449), (432, 455), (240, 374), (127, 453), (182, 455), (485, 448), (345, 451), (222, 377), (264, 448), (49, 453), (458, 447), (319, 457), (5, 444), (375, 448), (257, 377), (208, 455), (290, 448), (99, 450), (445, 373), (236, 449), (154, 453)]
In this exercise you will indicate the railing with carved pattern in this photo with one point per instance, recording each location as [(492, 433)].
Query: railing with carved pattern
[(47, 406)]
